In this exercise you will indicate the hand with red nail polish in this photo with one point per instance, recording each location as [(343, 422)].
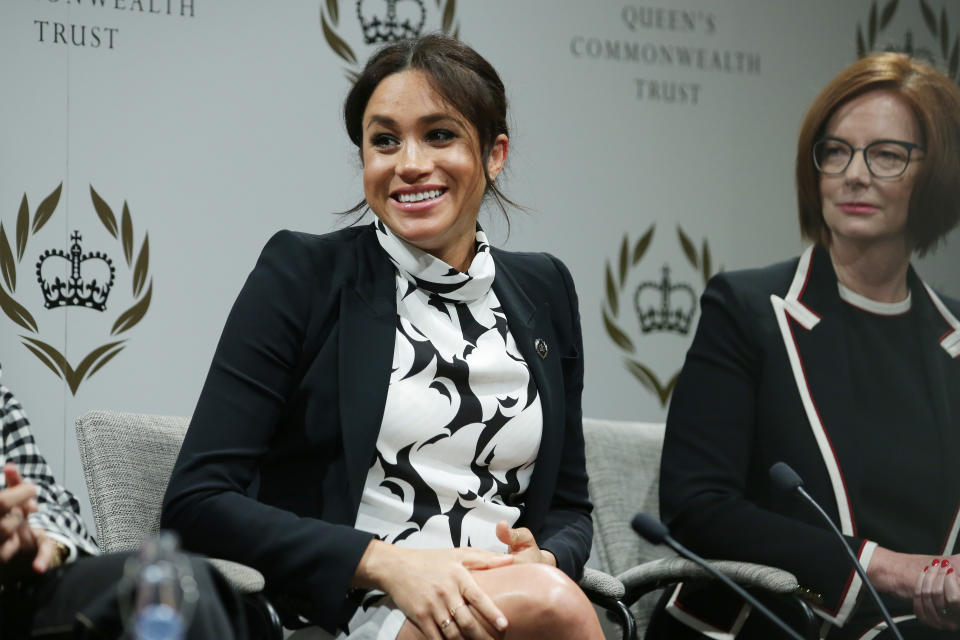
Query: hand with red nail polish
[(936, 597)]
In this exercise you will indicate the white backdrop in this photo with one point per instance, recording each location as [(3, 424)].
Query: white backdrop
[(217, 122)]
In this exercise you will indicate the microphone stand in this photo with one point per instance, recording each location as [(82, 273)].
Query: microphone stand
[(656, 532), (785, 478)]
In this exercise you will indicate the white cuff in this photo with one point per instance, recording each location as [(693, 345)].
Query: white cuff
[(848, 600)]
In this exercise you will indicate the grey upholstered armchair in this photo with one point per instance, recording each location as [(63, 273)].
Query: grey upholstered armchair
[(623, 461), (127, 459)]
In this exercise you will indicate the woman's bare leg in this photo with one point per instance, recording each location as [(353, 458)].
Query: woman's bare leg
[(539, 601)]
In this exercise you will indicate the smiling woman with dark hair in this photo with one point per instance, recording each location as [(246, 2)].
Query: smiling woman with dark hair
[(405, 398), (842, 363)]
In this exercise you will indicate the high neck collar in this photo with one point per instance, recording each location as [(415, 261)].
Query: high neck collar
[(873, 306), (878, 272), (433, 275)]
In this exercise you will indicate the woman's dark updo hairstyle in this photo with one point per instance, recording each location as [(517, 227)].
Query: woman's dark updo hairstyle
[(459, 75)]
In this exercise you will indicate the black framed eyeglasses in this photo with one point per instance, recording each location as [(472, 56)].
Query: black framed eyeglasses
[(884, 158)]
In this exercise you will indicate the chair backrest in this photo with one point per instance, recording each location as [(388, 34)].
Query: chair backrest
[(623, 461), (127, 459)]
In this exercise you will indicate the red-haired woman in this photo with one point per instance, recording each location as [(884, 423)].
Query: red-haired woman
[(842, 363)]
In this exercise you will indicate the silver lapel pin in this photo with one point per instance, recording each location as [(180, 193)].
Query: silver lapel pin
[(541, 346)]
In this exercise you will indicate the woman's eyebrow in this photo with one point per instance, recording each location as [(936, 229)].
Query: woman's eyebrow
[(384, 120), (432, 118)]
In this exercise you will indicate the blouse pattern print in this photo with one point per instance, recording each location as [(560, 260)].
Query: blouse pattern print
[(462, 422)]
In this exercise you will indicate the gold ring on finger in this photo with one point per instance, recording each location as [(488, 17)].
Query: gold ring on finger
[(445, 624), (453, 610)]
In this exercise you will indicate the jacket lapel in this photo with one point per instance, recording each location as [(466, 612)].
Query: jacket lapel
[(937, 357), (941, 357), (530, 325), (814, 340), (367, 333), (950, 340)]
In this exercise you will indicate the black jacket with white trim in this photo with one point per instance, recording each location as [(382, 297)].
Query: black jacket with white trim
[(766, 380)]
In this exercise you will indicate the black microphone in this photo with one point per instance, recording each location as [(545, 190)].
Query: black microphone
[(655, 532), (787, 480), (651, 529)]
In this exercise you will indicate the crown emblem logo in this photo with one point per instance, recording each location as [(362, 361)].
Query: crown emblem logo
[(74, 279), (662, 306), (380, 22), (945, 52), (390, 27), (88, 285)]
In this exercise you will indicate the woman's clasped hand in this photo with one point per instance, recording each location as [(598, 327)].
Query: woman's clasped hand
[(522, 545), (436, 588), (936, 598), (22, 547), (932, 584), (441, 591)]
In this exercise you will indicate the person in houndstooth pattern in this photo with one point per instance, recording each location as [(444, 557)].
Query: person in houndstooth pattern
[(54, 583), (58, 531)]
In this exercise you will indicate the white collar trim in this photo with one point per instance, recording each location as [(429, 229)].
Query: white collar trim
[(879, 308)]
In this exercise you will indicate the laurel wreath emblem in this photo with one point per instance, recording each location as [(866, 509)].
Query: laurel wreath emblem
[(616, 280), (939, 28), (330, 20), (11, 257)]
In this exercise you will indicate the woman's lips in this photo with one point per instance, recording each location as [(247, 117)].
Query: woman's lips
[(418, 199), (857, 208)]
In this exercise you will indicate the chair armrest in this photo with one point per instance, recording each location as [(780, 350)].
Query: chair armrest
[(249, 583), (241, 577), (607, 592), (598, 583), (659, 573)]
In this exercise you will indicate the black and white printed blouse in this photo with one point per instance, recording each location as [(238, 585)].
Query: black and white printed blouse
[(462, 422)]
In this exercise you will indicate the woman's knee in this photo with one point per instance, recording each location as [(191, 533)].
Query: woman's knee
[(542, 598)]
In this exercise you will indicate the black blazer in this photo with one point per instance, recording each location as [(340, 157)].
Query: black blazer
[(273, 465), (765, 380)]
